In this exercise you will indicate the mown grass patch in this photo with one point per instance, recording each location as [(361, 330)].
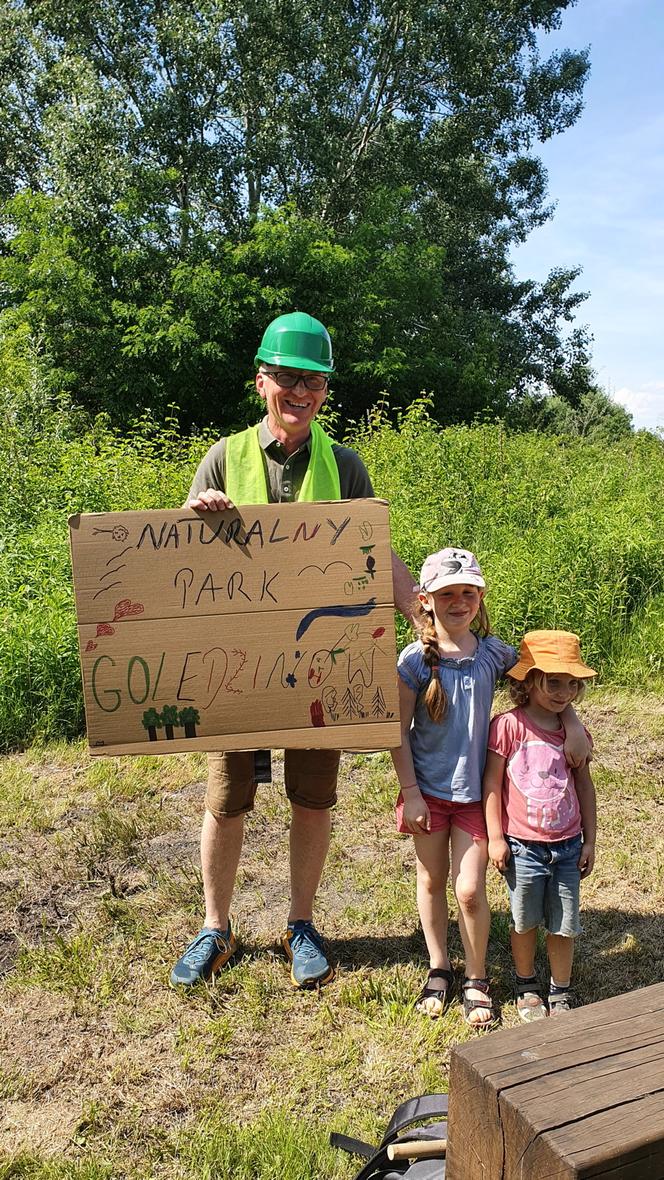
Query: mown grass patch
[(109, 1068)]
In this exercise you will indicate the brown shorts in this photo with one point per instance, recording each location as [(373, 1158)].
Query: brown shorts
[(310, 777)]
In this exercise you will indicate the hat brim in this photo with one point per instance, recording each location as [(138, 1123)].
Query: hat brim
[(551, 664), (462, 579), (294, 362)]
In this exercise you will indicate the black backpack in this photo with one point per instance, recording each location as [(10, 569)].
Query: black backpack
[(415, 1110)]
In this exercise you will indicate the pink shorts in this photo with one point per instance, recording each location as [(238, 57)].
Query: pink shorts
[(445, 814)]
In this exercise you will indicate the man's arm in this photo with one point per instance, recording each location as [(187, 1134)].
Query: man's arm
[(356, 485), (405, 593), (207, 490)]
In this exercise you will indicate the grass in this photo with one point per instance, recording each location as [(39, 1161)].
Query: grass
[(106, 1072)]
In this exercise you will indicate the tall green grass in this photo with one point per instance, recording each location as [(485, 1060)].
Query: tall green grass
[(569, 535)]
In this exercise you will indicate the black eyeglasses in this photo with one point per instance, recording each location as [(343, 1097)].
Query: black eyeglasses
[(314, 382)]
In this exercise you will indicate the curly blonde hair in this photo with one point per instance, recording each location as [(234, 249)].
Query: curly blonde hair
[(435, 697), (520, 689)]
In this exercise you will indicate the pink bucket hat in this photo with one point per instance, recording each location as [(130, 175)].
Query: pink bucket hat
[(450, 567)]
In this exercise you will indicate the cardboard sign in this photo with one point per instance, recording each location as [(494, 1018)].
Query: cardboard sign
[(261, 626)]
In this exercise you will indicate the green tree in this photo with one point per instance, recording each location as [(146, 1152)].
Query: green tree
[(169, 161), (189, 718), (170, 717), (152, 722), (596, 418)]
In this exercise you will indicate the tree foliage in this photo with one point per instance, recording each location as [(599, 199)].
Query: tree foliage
[(596, 417), (177, 173)]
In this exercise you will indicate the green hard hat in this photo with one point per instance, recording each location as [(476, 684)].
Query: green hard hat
[(297, 341)]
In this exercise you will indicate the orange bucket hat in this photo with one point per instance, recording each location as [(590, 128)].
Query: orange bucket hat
[(550, 651)]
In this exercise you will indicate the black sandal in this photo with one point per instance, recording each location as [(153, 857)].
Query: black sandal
[(469, 1005), (560, 1002), (433, 997)]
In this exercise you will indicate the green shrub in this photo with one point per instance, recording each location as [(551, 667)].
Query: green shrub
[(569, 534)]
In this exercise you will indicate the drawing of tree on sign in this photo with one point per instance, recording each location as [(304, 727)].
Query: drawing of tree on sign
[(189, 718), (152, 722), (170, 716), (351, 702), (378, 703)]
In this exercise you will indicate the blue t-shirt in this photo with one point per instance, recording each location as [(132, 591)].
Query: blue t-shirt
[(449, 755)]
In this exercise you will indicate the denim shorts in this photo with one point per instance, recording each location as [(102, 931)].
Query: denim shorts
[(543, 880)]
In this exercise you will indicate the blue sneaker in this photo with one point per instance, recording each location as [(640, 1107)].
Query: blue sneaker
[(208, 953), (304, 947)]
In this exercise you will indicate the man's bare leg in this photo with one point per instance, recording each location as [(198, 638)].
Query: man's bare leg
[(213, 947), (309, 844), (221, 845)]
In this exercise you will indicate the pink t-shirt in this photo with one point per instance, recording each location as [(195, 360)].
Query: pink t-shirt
[(539, 796)]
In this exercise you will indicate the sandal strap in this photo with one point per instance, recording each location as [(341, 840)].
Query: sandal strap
[(436, 992), (561, 998), (529, 989), (480, 985), (470, 1004), (443, 973), (529, 1000)]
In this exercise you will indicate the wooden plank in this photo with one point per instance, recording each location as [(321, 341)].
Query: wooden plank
[(474, 1132), (578, 1096), (513, 1056), (588, 1087), (530, 1111), (629, 1135), (594, 1024)]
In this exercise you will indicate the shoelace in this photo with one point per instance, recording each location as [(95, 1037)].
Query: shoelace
[(200, 949), (307, 941)]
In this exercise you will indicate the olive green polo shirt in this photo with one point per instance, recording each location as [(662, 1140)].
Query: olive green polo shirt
[(285, 473)]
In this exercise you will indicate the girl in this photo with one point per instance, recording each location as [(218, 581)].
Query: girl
[(541, 815), (446, 684)]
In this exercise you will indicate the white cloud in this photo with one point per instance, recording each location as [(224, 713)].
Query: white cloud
[(646, 404)]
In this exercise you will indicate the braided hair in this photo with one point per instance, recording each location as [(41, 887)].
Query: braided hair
[(435, 697)]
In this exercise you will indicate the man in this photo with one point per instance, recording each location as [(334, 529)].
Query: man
[(286, 458)]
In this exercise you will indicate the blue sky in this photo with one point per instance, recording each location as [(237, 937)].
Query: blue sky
[(606, 177)]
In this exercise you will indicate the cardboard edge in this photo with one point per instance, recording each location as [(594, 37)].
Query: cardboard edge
[(384, 736), (198, 512)]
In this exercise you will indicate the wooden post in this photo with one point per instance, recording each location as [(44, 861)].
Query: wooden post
[(578, 1095)]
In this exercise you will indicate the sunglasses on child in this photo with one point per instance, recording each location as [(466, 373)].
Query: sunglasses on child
[(556, 685)]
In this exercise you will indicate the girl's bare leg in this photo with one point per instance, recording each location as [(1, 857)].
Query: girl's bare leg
[(433, 866), (469, 862)]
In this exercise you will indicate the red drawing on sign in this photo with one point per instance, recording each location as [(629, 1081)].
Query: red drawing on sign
[(316, 710), (91, 645), (125, 607), (105, 629), (377, 633)]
